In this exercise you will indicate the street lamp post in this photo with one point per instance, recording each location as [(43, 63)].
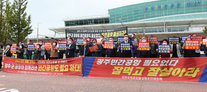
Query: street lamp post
[(37, 32)]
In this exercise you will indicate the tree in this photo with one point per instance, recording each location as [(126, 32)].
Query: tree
[(7, 22), (2, 19), (21, 22)]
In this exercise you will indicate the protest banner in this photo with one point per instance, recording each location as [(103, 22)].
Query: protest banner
[(125, 46), (154, 69), (48, 46), (62, 45), (135, 43), (164, 48), (116, 32), (153, 40), (93, 48), (197, 38), (204, 41), (108, 44), (30, 47), (99, 41), (13, 48), (79, 42), (60, 67), (183, 38), (192, 45), (173, 40), (144, 46), (120, 39)]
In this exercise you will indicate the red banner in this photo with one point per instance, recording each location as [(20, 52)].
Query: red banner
[(13, 48), (108, 44), (63, 42), (157, 69), (197, 38), (153, 40), (192, 45), (144, 46), (204, 41), (99, 41), (93, 48), (60, 67), (48, 45)]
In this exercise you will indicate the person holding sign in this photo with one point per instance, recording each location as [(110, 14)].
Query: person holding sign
[(111, 52), (125, 47), (190, 47), (71, 48), (165, 50), (97, 49), (54, 51), (30, 49), (153, 46), (62, 45), (175, 45), (144, 48)]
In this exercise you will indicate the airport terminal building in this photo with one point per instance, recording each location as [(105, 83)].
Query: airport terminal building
[(161, 17)]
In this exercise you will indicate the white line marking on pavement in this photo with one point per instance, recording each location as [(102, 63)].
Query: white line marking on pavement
[(11, 90), (8, 90), (2, 76), (2, 89)]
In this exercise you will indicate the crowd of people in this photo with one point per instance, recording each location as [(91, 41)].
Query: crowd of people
[(75, 50)]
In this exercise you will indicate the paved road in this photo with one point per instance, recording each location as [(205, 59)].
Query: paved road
[(43, 83)]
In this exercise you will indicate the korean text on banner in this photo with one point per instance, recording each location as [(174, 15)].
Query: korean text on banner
[(156, 69), (60, 67)]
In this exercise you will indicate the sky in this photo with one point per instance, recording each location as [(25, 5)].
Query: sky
[(50, 13)]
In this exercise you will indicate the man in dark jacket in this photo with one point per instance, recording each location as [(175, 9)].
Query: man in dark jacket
[(30, 50), (71, 48), (97, 53), (20, 51), (126, 53)]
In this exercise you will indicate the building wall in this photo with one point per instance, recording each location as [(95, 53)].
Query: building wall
[(156, 9)]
